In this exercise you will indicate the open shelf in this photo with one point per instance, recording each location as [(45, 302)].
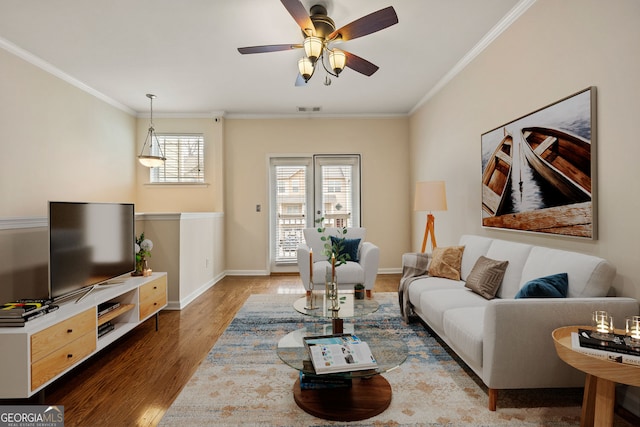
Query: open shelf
[(123, 308)]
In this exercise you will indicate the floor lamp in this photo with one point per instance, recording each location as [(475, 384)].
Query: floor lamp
[(430, 196)]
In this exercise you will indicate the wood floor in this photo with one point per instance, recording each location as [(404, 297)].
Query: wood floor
[(135, 380)]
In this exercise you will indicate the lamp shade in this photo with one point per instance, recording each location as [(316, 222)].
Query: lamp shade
[(305, 66), (337, 60), (430, 196), (313, 47)]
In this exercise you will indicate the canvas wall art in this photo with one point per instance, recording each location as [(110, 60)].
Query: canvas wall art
[(538, 171)]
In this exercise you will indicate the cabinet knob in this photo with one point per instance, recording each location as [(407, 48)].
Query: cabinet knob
[(155, 287), (69, 356), (69, 331)]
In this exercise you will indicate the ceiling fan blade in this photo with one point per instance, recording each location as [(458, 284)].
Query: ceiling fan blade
[(359, 64), (300, 15), (268, 48), (368, 24)]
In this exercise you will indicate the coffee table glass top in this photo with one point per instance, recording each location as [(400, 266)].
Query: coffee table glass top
[(388, 350), (349, 306)]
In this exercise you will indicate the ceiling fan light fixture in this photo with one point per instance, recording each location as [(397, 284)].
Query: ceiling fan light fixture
[(305, 66), (151, 160), (313, 47), (337, 60)]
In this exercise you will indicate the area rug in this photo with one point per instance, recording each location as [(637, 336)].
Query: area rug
[(243, 382)]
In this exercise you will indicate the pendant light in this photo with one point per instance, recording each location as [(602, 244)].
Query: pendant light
[(151, 160)]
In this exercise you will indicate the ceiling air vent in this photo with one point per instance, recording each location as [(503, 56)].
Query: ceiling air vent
[(308, 109)]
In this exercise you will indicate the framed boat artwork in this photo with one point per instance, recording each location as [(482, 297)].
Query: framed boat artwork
[(538, 171)]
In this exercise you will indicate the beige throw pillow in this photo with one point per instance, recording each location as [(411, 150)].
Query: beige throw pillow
[(486, 276), (446, 262)]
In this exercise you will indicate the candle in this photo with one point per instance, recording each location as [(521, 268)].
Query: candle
[(311, 265), (333, 266)]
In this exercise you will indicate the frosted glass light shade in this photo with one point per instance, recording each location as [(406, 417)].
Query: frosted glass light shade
[(313, 47), (305, 66), (337, 60)]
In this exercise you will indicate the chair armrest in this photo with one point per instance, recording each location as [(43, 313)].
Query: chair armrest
[(517, 343), (302, 255), (369, 259)]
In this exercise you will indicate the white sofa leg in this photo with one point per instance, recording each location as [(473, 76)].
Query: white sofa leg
[(493, 399)]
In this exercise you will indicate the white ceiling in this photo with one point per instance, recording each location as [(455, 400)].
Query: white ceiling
[(185, 52)]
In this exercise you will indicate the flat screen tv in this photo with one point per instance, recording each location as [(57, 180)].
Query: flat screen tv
[(89, 243)]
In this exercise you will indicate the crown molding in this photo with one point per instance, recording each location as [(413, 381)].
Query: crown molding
[(518, 10)]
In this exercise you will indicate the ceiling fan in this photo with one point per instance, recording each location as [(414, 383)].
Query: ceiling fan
[(319, 32)]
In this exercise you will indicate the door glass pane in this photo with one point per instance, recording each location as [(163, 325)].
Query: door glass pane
[(290, 210), (337, 184)]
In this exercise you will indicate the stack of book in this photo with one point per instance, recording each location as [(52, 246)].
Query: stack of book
[(331, 354), (16, 314), (613, 347)]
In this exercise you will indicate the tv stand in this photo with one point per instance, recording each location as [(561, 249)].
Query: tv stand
[(48, 347)]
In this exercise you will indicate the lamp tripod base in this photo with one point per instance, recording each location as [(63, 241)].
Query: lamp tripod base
[(429, 230)]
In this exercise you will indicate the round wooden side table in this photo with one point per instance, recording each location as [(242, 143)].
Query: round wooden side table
[(602, 375)]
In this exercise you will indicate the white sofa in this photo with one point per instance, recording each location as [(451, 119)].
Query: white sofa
[(364, 271), (505, 341)]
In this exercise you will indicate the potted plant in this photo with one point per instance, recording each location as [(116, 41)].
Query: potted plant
[(358, 291)]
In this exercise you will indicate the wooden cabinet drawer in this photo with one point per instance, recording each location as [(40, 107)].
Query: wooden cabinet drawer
[(61, 359), (153, 296), (61, 334)]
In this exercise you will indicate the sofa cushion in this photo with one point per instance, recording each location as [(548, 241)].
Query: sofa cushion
[(445, 262), (434, 304), (463, 328), (589, 276), (422, 286), (351, 247), (554, 286), (516, 254), (349, 273), (474, 246), (486, 276)]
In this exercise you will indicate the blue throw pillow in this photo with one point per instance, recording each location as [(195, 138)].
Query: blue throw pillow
[(554, 286), (349, 247)]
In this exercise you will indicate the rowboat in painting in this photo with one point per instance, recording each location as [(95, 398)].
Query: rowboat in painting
[(496, 178), (561, 158)]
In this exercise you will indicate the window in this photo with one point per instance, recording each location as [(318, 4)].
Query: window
[(185, 159)]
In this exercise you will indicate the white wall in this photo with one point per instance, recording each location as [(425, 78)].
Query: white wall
[(555, 49), (59, 143), (383, 144)]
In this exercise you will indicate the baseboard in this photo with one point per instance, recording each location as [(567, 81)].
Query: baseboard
[(390, 270), (247, 273), (179, 305)]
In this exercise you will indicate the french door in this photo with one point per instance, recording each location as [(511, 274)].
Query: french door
[(304, 189)]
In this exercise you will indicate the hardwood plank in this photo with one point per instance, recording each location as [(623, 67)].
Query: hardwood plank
[(134, 381)]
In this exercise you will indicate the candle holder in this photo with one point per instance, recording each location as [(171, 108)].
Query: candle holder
[(603, 324), (311, 298), (633, 331)]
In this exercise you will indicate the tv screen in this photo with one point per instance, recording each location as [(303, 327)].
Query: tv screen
[(89, 243)]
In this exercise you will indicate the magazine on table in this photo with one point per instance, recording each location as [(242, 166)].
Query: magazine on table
[(339, 353), (602, 353)]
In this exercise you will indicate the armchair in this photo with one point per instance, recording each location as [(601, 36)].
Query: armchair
[(363, 270)]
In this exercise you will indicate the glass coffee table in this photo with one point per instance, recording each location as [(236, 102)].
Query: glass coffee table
[(370, 393), (350, 307)]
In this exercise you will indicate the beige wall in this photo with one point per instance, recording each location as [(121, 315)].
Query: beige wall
[(383, 144), (58, 142), (184, 198), (553, 50)]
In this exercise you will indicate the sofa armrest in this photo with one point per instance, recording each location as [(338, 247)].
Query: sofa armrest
[(369, 260), (302, 254), (518, 350)]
